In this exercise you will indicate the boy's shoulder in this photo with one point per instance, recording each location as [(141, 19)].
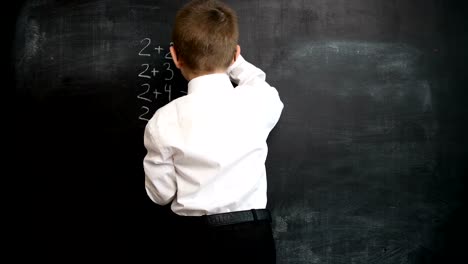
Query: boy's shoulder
[(170, 109)]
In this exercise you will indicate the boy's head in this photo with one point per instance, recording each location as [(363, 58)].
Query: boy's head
[(205, 37)]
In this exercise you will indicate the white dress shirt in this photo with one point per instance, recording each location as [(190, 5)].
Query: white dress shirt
[(207, 150)]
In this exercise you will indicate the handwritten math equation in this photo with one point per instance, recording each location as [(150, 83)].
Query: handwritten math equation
[(155, 78)]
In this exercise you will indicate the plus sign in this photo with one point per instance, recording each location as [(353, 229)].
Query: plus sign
[(159, 49), (156, 93), (154, 71)]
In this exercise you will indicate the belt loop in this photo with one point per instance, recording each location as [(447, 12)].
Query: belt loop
[(254, 213)]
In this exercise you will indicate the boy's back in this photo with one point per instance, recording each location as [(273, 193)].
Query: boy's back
[(207, 150), (216, 138)]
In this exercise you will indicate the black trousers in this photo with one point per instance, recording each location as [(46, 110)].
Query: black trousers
[(194, 241)]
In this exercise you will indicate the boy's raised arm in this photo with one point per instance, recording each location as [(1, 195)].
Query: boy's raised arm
[(247, 75), (244, 73)]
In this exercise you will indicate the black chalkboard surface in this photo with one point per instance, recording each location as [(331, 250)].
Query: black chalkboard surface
[(365, 165)]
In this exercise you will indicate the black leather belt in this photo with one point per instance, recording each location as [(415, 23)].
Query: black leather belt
[(228, 218), (238, 217)]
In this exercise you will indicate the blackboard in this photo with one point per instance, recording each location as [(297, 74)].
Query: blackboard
[(365, 165)]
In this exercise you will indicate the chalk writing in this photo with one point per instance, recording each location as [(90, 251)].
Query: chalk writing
[(168, 56), (168, 89), (142, 75), (156, 78), (159, 49), (170, 70), (156, 93), (141, 95), (144, 115), (141, 51)]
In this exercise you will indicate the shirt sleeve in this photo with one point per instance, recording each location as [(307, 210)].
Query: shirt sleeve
[(160, 183), (248, 76), (245, 73)]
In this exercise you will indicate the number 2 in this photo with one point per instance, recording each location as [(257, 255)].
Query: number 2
[(140, 96), (168, 55), (149, 42), (142, 73), (145, 111)]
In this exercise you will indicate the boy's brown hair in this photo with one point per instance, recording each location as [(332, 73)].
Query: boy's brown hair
[(205, 35)]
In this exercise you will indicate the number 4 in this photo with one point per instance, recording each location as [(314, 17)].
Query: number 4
[(168, 89)]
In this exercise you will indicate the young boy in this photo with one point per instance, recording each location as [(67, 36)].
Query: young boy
[(207, 150)]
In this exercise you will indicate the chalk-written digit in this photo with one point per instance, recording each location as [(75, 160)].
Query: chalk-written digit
[(169, 69), (141, 51), (145, 112), (168, 89), (142, 73), (141, 95), (168, 56)]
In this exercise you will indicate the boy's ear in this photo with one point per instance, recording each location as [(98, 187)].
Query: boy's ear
[(236, 54), (175, 59)]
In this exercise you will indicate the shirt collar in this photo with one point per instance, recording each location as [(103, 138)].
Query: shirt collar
[(210, 83)]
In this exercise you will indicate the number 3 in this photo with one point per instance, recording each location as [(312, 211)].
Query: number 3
[(169, 69)]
